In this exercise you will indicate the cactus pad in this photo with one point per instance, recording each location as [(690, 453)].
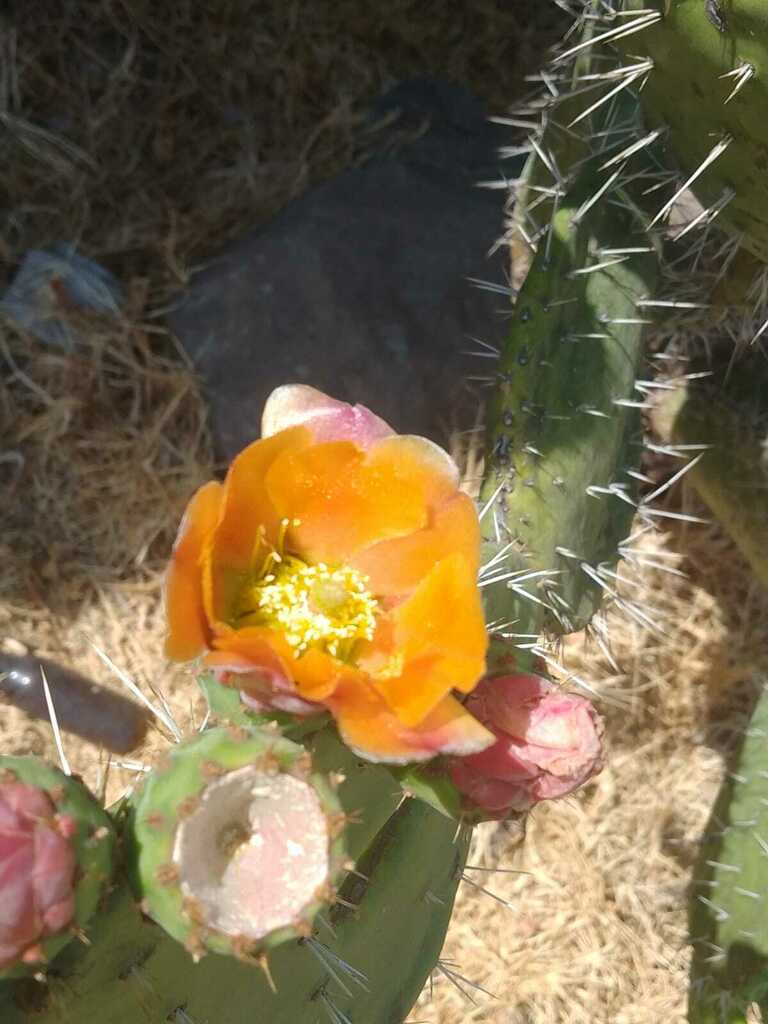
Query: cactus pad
[(729, 909), (563, 425), (709, 85)]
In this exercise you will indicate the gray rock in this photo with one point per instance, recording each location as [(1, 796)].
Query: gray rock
[(360, 286)]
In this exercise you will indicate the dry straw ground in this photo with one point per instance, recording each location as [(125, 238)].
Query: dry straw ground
[(149, 138)]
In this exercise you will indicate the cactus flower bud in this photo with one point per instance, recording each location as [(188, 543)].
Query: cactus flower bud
[(37, 868), (548, 743)]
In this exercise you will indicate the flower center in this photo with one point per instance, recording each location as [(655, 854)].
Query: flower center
[(319, 606)]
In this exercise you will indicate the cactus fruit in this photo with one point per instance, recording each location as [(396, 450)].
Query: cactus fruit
[(729, 924), (367, 794), (56, 848), (237, 842)]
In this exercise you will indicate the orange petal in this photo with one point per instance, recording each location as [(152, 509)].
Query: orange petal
[(374, 732), (188, 628), (347, 500), (315, 674), (396, 567), (246, 507), (327, 489), (441, 633), (256, 647)]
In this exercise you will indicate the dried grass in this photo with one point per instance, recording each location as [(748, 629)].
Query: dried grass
[(149, 134), (104, 447), (596, 933), (151, 138)]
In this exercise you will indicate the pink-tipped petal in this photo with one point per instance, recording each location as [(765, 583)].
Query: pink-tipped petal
[(265, 701), (327, 418), (373, 732)]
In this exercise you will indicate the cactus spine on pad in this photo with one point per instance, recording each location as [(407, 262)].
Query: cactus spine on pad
[(729, 905), (57, 847)]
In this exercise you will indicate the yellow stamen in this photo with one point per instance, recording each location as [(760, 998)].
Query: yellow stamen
[(312, 605)]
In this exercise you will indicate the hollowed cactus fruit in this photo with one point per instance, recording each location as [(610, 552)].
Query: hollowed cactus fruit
[(237, 842)]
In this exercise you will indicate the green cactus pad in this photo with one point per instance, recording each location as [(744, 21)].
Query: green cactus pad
[(94, 843), (729, 906), (366, 963), (696, 48), (728, 412), (563, 430), (210, 819)]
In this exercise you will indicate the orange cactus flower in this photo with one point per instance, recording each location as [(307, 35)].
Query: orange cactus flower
[(336, 568)]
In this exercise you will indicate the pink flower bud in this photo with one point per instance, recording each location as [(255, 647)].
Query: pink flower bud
[(37, 868), (548, 743)]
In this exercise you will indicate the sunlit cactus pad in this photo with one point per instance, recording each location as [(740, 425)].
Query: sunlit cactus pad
[(708, 88)]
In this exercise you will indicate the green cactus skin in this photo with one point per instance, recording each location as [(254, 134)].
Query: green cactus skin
[(729, 902), (556, 427), (134, 971), (729, 908), (695, 44), (94, 844), (194, 782), (729, 412)]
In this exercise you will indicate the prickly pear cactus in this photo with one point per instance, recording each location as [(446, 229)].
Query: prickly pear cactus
[(270, 874), (565, 434), (399, 899), (706, 90), (51, 826), (729, 923)]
